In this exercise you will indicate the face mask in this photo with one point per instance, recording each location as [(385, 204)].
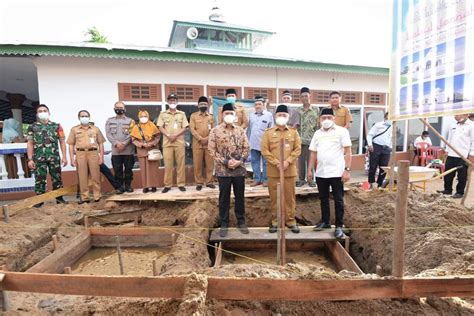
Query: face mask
[(327, 124), (119, 111), (84, 120), (43, 116), (143, 119), (231, 99), (281, 120), (229, 119), (172, 105), (203, 109)]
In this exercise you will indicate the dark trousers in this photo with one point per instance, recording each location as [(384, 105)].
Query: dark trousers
[(337, 187), (303, 163), (225, 184), (109, 176), (123, 173), (453, 162), (380, 157)]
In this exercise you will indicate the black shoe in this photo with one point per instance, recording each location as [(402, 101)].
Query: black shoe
[(243, 229), (153, 189), (38, 205), (97, 200), (165, 189), (182, 189), (321, 226), (128, 189), (60, 200), (212, 186), (312, 184), (457, 196), (272, 229), (199, 187), (223, 231), (145, 190), (83, 201), (338, 233), (300, 183), (295, 229), (120, 190), (444, 192)]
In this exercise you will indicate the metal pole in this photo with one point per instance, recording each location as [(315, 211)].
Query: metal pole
[(394, 155)]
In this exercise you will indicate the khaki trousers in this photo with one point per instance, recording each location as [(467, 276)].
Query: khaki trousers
[(290, 202), (170, 156), (201, 156), (88, 164)]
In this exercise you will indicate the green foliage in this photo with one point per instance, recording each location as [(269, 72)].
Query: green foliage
[(95, 36)]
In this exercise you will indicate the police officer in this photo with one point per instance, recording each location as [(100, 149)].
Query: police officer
[(201, 123), (117, 130), (86, 149), (173, 124), (241, 115), (271, 151), (43, 137)]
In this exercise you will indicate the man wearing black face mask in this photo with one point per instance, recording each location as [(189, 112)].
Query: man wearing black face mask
[(117, 130), (201, 123)]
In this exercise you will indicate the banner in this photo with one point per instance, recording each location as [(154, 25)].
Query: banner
[(218, 102), (432, 68)]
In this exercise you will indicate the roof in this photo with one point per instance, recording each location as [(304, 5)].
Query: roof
[(220, 26), (93, 50)]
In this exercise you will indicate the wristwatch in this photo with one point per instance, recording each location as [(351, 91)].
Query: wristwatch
[(347, 169)]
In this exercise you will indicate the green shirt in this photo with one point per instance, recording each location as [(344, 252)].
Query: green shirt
[(45, 138), (308, 124)]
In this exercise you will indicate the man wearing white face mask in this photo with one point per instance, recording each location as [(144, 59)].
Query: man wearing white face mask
[(86, 149), (294, 120), (271, 151), (331, 155), (240, 113)]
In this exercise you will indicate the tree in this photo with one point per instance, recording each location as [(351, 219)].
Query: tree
[(95, 36)]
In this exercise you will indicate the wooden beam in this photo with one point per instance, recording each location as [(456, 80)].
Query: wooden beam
[(65, 256), (132, 236), (105, 217), (341, 258), (238, 289), (398, 259), (291, 245)]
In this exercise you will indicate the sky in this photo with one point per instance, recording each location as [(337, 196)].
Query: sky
[(356, 32)]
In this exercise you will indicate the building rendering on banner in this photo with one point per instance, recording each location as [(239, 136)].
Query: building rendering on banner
[(203, 58)]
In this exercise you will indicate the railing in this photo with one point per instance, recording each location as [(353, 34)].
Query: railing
[(18, 182)]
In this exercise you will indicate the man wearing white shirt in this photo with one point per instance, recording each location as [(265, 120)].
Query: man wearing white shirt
[(330, 150), (379, 141), (461, 137), (424, 138)]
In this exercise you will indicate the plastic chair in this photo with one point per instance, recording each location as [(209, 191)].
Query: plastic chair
[(421, 150), (436, 153)]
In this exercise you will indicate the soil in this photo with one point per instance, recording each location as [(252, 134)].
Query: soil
[(438, 242)]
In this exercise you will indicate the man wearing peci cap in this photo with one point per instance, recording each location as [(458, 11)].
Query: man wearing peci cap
[(201, 123), (331, 151), (271, 151), (172, 124), (294, 120), (241, 115), (259, 120)]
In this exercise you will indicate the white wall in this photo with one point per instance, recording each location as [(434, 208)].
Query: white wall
[(68, 85)]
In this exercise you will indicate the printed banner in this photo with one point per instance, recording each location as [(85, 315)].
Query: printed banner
[(217, 103)]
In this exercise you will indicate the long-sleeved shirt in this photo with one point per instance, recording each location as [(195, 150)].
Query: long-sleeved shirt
[(461, 137), (271, 150), (308, 124), (383, 140), (226, 143), (258, 123), (117, 130)]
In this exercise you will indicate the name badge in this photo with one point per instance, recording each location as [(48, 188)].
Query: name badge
[(175, 126), (92, 140), (208, 126)]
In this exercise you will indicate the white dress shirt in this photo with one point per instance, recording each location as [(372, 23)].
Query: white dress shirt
[(420, 139), (461, 137), (329, 146), (383, 140)]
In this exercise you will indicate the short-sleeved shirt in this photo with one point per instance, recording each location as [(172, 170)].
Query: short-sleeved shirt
[(329, 146), (45, 139), (173, 122), (117, 130), (89, 137), (200, 125), (258, 123), (308, 124), (343, 115)]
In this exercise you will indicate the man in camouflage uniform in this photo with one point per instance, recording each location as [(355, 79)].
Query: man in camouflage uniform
[(43, 151)]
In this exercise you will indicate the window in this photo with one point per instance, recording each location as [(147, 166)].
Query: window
[(354, 131), (415, 128), (400, 134), (320, 97), (372, 116), (267, 93), (375, 98), (351, 97), (219, 91), (139, 92), (185, 93), (295, 95)]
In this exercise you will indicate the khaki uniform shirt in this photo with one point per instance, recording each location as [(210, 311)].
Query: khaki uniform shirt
[(242, 119), (172, 123), (89, 137), (200, 125), (271, 150), (343, 115)]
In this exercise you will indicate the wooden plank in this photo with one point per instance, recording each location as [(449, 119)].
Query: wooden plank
[(341, 258), (238, 289), (291, 245), (65, 256), (398, 253), (105, 217), (132, 236)]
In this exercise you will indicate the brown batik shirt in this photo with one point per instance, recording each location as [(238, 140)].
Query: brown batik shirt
[(226, 143)]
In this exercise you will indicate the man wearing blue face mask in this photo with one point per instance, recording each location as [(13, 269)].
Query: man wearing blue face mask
[(241, 117), (379, 141)]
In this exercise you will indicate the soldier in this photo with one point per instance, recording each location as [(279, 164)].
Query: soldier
[(172, 124), (86, 149), (43, 152), (271, 151), (241, 115), (342, 113), (308, 125), (201, 123), (117, 130)]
